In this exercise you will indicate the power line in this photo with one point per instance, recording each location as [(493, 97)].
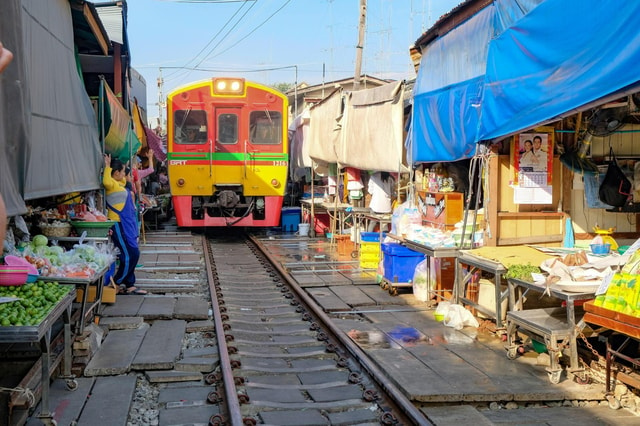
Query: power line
[(218, 33), (206, 1), (250, 32)]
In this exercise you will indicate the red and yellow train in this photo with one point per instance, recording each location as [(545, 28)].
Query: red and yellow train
[(227, 153)]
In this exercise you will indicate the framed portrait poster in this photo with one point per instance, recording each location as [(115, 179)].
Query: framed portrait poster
[(532, 166)]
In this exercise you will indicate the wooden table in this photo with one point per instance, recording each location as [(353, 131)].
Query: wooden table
[(618, 323)]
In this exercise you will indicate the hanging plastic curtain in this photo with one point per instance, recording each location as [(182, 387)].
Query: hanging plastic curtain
[(120, 140), (138, 124)]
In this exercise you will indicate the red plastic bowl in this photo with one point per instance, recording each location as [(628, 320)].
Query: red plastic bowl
[(13, 275)]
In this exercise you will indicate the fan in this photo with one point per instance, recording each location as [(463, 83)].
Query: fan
[(605, 121), (577, 160)]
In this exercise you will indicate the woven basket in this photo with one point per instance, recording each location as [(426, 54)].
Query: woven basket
[(55, 231)]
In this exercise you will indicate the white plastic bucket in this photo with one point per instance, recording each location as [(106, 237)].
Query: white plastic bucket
[(303, 229)]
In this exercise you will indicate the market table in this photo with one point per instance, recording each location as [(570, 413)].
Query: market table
[(337, 212), (41, 334), (429, 252), (84, 283), (464, 281), (621, 324), (556, 326)]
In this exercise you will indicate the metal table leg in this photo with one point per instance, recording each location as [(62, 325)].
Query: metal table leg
[(45, 415)]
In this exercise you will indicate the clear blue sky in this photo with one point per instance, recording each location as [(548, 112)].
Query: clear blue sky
[(189, 40)]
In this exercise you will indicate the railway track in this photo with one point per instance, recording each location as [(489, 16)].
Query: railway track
[(281, 361)]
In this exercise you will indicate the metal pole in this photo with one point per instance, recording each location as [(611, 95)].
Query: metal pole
[(295, 94), (360, 47)]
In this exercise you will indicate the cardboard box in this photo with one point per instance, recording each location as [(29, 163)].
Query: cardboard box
[(108, 294)]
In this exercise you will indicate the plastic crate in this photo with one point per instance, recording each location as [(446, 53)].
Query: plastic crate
[(345, 245), (369, 265), (290, 219), (399, 262), (367, 247), (369, 256), (371, 237)]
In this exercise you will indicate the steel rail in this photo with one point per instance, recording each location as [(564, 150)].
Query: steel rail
[(231, 401), (410, 410)]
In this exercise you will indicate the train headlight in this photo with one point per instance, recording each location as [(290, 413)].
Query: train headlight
[(228, 86), (275, 183), (180, 182)]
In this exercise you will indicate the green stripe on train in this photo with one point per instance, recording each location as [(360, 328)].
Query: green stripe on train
[(226, 156)]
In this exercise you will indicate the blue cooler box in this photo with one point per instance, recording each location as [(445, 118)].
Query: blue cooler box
[(399, 262)]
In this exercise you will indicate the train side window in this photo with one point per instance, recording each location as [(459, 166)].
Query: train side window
[(227, 128), (265, 127), (190, 126)]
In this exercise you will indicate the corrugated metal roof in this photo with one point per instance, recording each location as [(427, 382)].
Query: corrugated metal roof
[(89, 34), (113, 20)]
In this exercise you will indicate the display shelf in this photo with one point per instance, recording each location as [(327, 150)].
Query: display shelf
[(77, 239), (441, 209), (553, 325)]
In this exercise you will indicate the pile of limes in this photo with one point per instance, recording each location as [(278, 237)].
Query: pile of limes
[(36, 301)]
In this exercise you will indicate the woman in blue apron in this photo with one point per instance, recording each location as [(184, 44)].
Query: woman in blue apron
[(124, 233)]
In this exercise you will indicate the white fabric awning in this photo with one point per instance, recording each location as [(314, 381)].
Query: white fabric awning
[(372, 136), (325, 129)]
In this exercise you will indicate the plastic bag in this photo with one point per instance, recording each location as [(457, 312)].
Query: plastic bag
[(615, 188), (420, 281), (395, 217), (380, 272), (458, 317), (441, 310)]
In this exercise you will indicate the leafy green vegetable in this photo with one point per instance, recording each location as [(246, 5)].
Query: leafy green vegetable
[(522, 272)]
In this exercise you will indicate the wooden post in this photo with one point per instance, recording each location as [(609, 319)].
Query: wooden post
[(491, 206)]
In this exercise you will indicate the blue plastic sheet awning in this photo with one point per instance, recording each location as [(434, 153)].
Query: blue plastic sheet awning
[(448, 91), (562, 55), (516, 65)]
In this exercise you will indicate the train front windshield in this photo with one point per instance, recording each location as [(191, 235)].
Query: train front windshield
[(265, 127), (190, 127)]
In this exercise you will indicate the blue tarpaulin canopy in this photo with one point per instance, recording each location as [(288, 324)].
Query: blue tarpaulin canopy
[(562, 55), (448, 90), (518, 64)]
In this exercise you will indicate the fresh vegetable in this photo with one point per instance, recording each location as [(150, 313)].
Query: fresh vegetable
[(40, 241), (522, 272), (34, 303)]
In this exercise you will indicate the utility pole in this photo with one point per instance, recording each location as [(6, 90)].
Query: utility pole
[(160, 100), (360, 47)]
